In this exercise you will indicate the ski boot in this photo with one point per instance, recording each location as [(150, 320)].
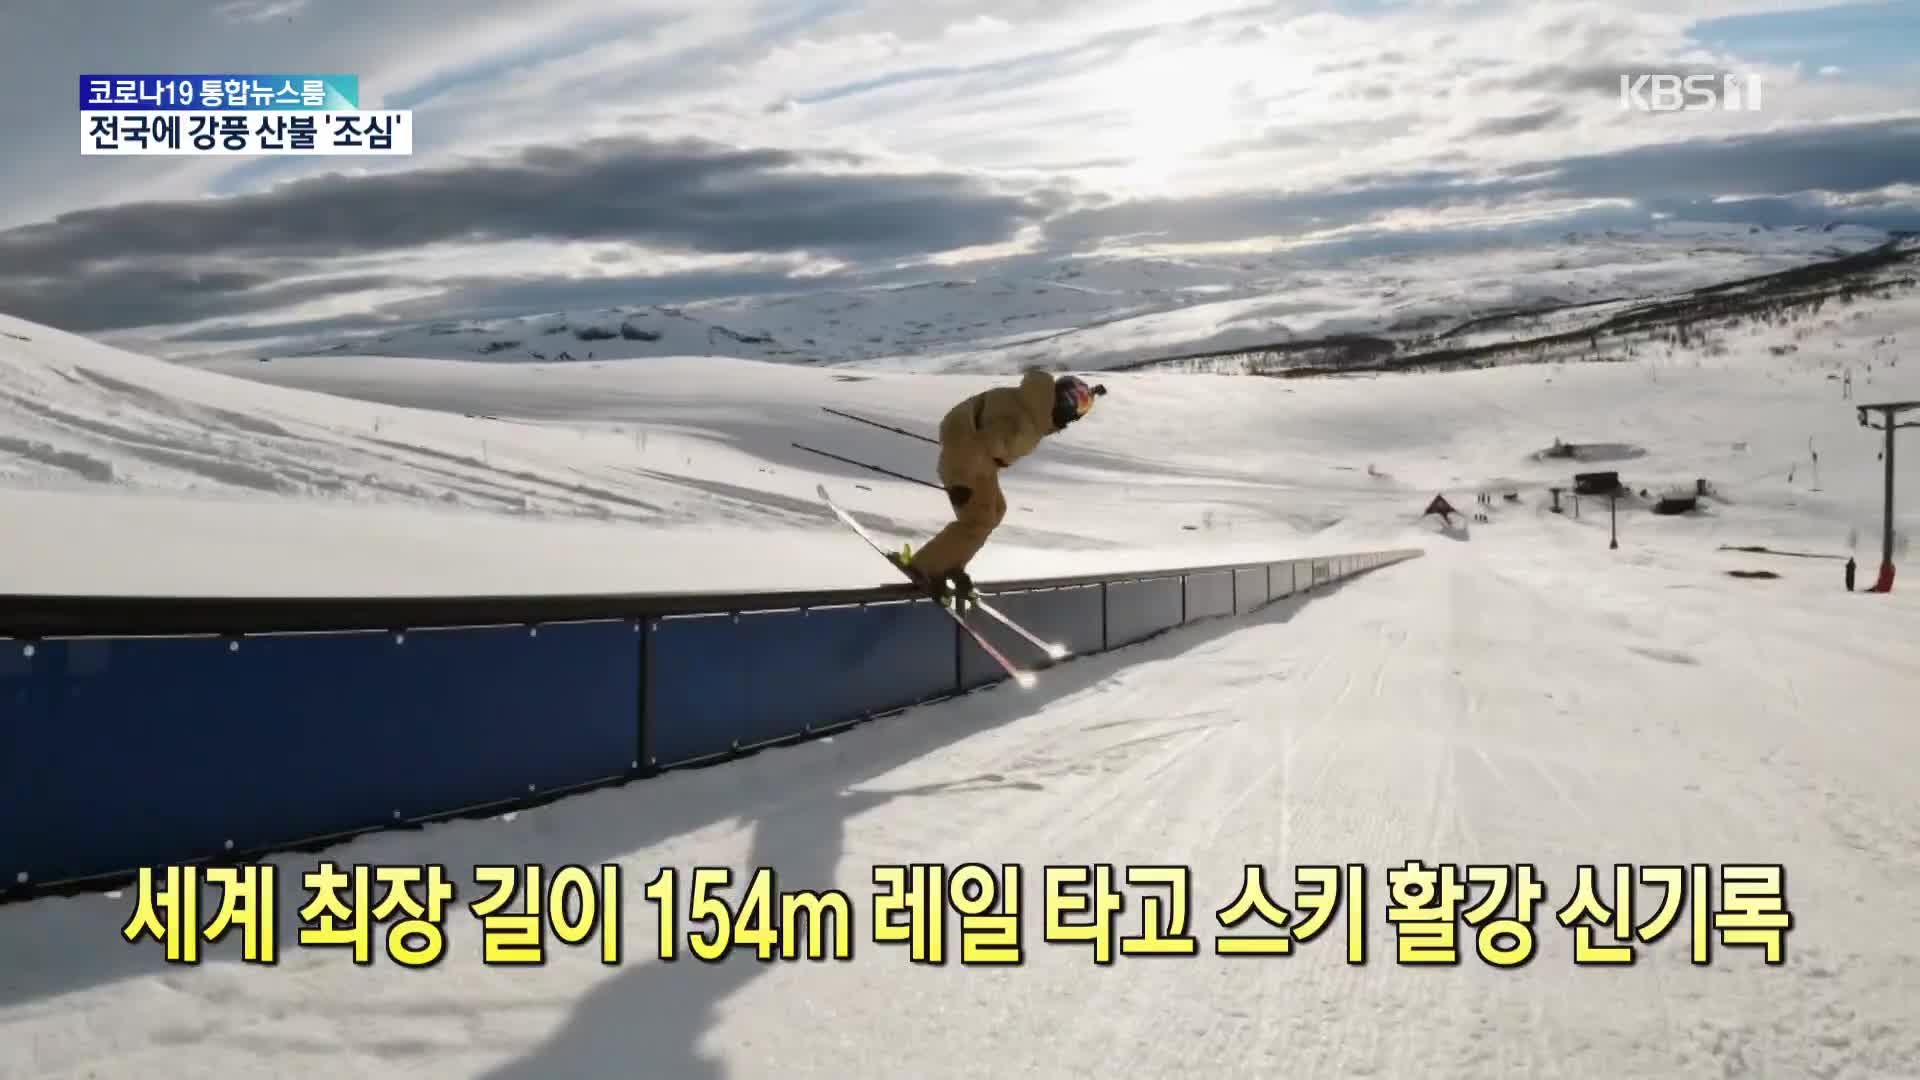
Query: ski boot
[(959, 587), (935, 589), (903, 560), (954, 590)]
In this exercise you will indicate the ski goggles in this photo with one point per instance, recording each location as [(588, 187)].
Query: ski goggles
[(1078, 396)]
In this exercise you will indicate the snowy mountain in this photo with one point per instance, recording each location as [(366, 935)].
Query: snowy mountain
[(1109, 310)]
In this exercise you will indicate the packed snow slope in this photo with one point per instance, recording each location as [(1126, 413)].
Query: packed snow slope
[(1102, 309), (1521, 695), (339, 474), (675, 475), (1525, 696)]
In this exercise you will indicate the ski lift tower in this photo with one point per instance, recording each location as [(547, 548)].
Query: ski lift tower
[(1889, 412)]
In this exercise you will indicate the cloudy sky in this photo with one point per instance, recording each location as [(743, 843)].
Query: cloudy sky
[(592, 152)]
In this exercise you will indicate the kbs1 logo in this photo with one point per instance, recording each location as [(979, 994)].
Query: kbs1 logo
[(1682, 93)]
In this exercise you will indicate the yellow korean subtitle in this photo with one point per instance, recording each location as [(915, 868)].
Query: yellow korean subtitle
[(1753, 909), (1100, 904), (1335, 887), (415, 941), (768, 921), (1162, 936), (1253, 899), (167, 908), (1587, 909), (171, 914), (249, 899), (1323, 892), (1423, 905), (570, 905), (1674, 882), (989, 908), (912, 903), (1522, 883), (917, 891)]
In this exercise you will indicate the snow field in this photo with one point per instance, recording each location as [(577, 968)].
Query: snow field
[(1521, 695)]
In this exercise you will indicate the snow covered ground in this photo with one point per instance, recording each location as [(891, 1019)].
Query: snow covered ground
[(656, 476), (1521, 695), (420, 476)]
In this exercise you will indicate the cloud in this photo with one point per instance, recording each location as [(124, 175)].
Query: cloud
[(676, 147), (484, 297), (1845, 159), (118, 297), (259, 10), (1838, 158), (143, 264), (1521, 124), (686, 195)]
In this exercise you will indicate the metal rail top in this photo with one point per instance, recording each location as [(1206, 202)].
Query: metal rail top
[(60, 616)]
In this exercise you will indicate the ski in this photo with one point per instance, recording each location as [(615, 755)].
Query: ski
[(1014, 671), (1053, 651)]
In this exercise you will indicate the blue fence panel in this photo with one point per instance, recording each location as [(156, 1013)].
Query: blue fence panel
[(1209, 595), (118, 753), (827, 667), (1249, 589), (1137, 610), (1070, 617), (723, 683), (696, 701), (781, 657)]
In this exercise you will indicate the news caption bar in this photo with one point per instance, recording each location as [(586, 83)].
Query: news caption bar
[(1437, 913), (237, 116)]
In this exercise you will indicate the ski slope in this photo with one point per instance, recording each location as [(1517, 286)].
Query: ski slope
[(419, 476), (1527, 699), (663, 476), (1521, 694)]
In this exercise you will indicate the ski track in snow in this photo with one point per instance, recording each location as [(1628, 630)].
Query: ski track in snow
[(1416, 713), (1519, 695)]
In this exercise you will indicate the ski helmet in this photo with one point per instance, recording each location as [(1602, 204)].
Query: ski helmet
[(1071, 397)]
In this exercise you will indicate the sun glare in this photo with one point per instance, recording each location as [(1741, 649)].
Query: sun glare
[(1176, 104)]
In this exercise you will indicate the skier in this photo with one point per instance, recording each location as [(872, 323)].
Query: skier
[(978, 437)]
